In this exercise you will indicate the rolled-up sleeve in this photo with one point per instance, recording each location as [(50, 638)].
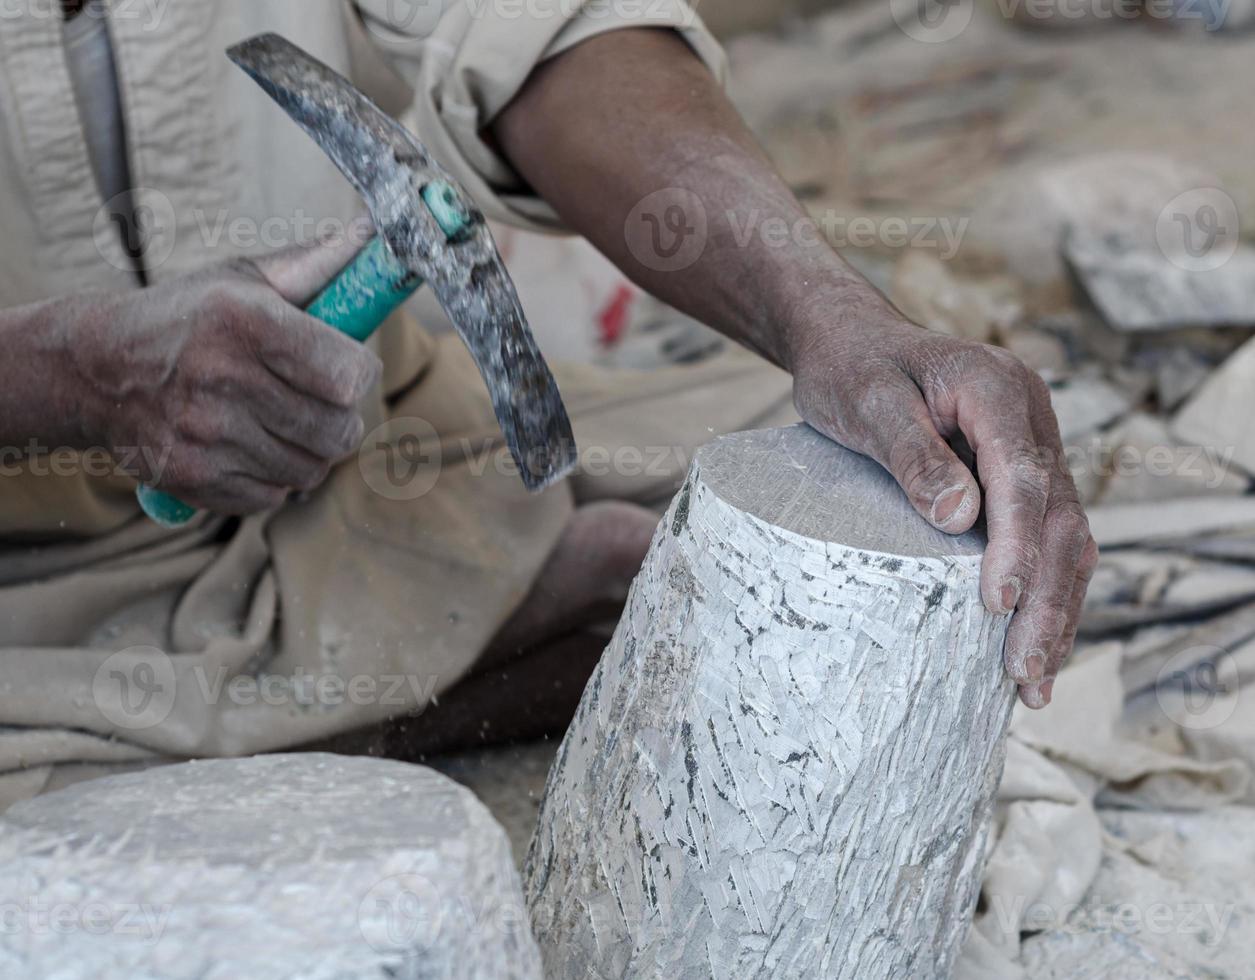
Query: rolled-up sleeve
[(466, 59)]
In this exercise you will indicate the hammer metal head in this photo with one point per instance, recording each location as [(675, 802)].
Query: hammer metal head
[(391, 169)]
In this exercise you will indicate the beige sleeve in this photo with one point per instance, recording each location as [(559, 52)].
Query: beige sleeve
[(466, 59)]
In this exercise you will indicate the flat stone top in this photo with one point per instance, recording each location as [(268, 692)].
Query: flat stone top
[(796, 479), (269, 810)]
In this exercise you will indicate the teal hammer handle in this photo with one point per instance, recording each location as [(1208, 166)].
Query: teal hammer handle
[(357, 303), (365, 294)]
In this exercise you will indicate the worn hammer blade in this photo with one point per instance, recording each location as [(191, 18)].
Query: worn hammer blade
[(391, 169)]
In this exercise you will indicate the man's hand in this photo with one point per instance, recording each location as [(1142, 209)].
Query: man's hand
[(864, 375), (893, 391), (220, 377)]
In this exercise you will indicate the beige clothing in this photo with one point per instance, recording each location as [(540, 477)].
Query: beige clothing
[(240, 625)]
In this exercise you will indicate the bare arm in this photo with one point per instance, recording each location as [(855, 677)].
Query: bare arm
[(633, 143), (36, 402)]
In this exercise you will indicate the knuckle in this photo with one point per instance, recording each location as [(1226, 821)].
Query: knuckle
[(351, 379), (1048, 613), (1072, 524), (342, 389), (1052, 618), (865, 420), (878, 400), (344, 384), (203, 425), (1002, 361), (850, 408), (217, 373), (1027, 471), (223, 303)]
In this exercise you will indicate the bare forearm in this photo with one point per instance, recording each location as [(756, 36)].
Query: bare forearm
[(633, 116), (36, 403)]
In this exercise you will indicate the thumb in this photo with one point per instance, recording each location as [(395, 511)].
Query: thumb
[(299, 273), (907, 444)]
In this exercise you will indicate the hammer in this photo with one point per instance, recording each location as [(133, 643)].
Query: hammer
[(428, 231)]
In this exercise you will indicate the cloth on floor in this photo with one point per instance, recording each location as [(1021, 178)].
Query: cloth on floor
[(1054, 882)]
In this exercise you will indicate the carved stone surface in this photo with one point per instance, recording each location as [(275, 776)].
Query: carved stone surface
[(785, 763), (285, 866)]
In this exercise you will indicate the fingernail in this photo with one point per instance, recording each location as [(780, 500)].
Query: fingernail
[(948, 503), (1035, 664), (1011, 594), (1033, 697), (1048, 690)]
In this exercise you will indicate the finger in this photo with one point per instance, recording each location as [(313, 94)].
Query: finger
[(268, 459), (230, 422), (900, 435), (222, 437), (1042, 619), (314, 358), (324, 430), (996, 420), (1063, 647), (1046, 427), (300, 272), (195, 475)]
